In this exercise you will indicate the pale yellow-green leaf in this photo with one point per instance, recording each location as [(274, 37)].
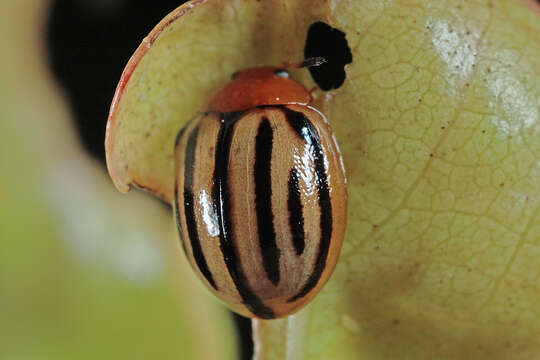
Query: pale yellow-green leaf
[(191, 53), (439, 126), (85, 273)]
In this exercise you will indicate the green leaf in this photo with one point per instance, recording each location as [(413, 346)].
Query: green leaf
[(439, 126)]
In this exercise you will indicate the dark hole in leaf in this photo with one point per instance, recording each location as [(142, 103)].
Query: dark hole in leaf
[(89, 43), (331, 44)]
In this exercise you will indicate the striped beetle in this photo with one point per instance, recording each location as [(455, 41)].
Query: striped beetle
[(260, 195)]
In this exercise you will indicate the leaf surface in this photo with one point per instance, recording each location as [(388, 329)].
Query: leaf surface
[(438, 122)]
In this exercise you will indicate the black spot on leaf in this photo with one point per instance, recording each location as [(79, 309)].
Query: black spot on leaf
[(331, 44)]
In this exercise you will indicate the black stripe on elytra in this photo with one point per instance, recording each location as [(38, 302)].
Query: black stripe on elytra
[(191, 222), (263, 200), (183, 129), (177, 217), (296, 216), (179, 135), (222, 207), (176, 208), (307, 132)]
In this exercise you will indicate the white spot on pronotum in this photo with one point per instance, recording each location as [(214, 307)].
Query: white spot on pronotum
[(207, 213)]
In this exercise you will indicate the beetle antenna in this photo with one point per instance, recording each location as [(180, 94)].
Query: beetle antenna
[(312, 61), (309, 62)]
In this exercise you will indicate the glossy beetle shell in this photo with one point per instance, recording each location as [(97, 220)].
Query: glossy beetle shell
[(260, 202), (258, 86)]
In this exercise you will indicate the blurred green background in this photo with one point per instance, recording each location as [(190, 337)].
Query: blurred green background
[(85, 272)]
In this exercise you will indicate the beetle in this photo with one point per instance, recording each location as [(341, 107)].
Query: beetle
[(260, 194)]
